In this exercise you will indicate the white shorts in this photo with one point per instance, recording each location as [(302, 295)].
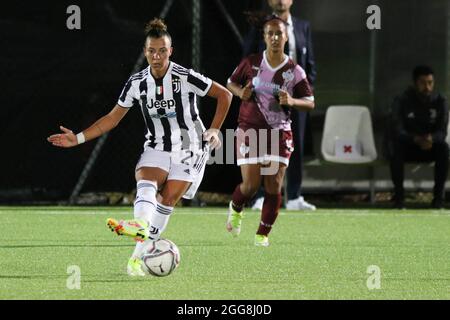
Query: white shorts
[(183, 165)]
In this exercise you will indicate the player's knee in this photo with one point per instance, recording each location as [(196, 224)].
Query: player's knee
[(273, 188), (249, 189), (146, 190), (170, 197), (169, 201), (273, 185)]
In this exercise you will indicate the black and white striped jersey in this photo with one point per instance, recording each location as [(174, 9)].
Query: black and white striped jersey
[(169, 106)]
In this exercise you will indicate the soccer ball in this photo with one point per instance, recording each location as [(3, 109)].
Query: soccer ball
[(160, 258)]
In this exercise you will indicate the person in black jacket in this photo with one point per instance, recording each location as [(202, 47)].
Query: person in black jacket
[(420, 119), (299, 48)]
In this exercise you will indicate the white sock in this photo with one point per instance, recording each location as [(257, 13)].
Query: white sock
[(158, 223), (140, 246), (159, 220), (144, 207), (145, 203)]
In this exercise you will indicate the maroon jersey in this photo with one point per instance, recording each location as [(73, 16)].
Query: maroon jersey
[(263, 109)]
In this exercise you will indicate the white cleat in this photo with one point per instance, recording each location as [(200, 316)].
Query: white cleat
[(258, 204), (261, 241), (134, 268), (234, 221), (299, 204)]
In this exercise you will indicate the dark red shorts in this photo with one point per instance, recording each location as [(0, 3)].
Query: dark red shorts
[(263, 146)]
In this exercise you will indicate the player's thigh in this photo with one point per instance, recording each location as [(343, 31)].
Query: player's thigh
[(274, 182), (251, 176), (153, 165), (156, 175), (172, 192)]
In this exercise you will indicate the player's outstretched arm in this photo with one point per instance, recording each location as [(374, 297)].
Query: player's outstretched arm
[(68, 139), (224, 98)]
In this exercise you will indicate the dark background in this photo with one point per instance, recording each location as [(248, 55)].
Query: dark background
[(53, 76)]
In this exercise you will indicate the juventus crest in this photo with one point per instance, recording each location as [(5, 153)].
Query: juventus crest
[(176, 85)]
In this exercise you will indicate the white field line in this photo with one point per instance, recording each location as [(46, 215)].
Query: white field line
[(297, 214)]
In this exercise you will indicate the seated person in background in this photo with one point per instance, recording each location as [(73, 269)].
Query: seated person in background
[(419, 129)]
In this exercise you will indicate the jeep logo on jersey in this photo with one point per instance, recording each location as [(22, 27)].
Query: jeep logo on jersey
[(158, 104)]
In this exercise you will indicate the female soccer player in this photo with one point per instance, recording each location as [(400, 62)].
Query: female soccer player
[(269, 84), (177, 146)]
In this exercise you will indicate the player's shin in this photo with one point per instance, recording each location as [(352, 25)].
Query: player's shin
[(239, 199), (140, 246), (269, 213), (144, 207), (159, 220), (145, 203)]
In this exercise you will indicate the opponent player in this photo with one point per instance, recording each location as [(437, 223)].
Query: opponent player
[(177, 146), (269, 84)]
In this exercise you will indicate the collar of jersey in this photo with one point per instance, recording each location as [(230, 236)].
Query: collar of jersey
[(169, 69), (286, 59)]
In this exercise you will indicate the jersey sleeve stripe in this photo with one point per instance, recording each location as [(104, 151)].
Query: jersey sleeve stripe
[(180, 74), (125, 91), (197, 82), (180, 70)]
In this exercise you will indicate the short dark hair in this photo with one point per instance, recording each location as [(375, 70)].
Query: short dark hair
[(422, 70)]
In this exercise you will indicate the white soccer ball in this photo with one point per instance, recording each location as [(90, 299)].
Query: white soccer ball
[(160, 258)]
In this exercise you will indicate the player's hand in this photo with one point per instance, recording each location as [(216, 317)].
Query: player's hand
[(63, 140), (212, 137), (246, 92), (285, 98)]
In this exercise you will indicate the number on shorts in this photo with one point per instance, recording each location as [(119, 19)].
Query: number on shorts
[(184, 160)]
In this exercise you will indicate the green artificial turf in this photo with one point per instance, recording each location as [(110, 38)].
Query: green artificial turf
[(313, 255)]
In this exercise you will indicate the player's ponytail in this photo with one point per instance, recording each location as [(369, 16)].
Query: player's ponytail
[(156, 28)]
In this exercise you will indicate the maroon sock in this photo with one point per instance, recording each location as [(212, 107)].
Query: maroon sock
[(272, 203), (239, 200)]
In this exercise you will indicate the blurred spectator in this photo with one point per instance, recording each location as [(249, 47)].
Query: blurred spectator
[(418, 133), (299, 49)]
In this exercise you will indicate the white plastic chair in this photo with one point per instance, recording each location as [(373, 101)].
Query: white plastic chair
[(349, 127)]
